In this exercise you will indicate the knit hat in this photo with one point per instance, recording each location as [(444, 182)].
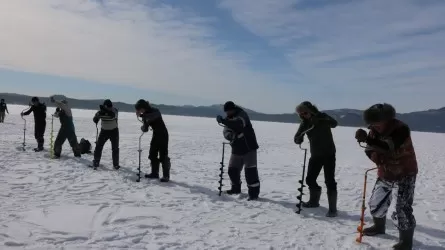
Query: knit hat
[(229, 106), (379, 113)]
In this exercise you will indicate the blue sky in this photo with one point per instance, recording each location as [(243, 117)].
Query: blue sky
[(265, 55)]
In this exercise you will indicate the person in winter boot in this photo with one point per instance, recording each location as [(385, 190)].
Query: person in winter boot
[(390, 147), (151, 117), (3, 110), (323, 154), (239, 131), (39, 111), (67, 129), (109, 131)]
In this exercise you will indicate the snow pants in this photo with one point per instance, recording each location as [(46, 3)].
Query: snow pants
[(104, 136), (158, 147), (62, 136), (236, 164), (2, 116), (381, 198), (39, 132), (327, 163)]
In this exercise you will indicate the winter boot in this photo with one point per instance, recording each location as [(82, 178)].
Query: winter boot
[(254, 192), (115, 156), (236, 189), (76, 151), (56, 156), (332, 200), (314, 199), (405, 240), (166, 165), (154, 170), (38, 149), (379, 227), (116, 167), (95, 164)]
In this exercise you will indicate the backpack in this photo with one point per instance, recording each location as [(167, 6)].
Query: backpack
[(85, 146)]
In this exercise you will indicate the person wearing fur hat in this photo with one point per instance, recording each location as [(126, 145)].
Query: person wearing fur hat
[(390, 147), (109, 131), (152, 117), (67, 129), (39, 111), (239, 131), (323, 154)]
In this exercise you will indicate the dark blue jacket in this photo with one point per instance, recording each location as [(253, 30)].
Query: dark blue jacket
[(239, 131)]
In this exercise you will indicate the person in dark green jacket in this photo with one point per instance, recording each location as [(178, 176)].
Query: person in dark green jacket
[(67, 129), (323, 153)]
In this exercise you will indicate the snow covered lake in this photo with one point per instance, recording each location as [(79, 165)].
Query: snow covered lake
[(63, 204)]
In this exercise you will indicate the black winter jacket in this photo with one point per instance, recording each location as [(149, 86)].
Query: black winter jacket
[(320, 137), (240, 133), (153, 118), (39, 112)]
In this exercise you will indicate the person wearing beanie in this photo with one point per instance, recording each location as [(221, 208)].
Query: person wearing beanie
[(239, 131), (152, 117), (3, 110), (67, 129), (39, 111), (108, 115), (390, 147), (323, 154)]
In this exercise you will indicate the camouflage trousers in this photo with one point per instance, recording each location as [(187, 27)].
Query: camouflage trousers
[(403, 191)]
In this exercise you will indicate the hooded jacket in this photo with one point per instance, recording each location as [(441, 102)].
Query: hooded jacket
[(320, 137)]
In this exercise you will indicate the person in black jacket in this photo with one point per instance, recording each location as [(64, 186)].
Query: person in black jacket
[(109, 131), (239, 131), (152, 117), (323, 154), (39, 110), (3, 110)]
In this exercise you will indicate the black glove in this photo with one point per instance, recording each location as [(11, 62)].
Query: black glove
[(220, 119), (144, 128), (96, 119), (361, 135), (298, 139)]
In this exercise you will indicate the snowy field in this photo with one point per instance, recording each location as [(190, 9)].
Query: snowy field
[(63, 204)]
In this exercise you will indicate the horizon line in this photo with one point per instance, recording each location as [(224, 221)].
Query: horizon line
[(198, 106)]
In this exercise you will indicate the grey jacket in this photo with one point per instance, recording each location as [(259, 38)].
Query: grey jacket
[(65, 107), (109, 119)]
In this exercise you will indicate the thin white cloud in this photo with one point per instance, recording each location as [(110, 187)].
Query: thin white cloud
[(355, 45), (135, 43)]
